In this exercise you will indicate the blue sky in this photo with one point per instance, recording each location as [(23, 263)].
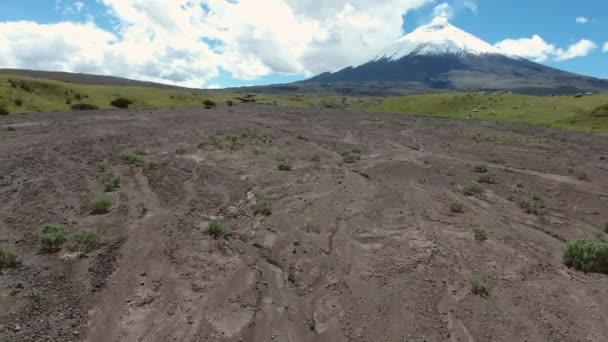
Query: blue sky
[(228, 44)]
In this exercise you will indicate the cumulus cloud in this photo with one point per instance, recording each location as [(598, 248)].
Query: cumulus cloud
[(582, 20), (471, 5), (605, 47), (538, 50), (580, 49), (186, 42)]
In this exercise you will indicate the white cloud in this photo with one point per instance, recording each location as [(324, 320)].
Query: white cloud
[(580, 49), (538, 50), (169, 41), (471, 5), (443, 10), (605, 47), (582, 20)]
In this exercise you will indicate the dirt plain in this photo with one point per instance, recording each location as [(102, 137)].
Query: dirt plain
[(362, 251)]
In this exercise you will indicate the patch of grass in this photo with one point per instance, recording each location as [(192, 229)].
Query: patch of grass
[(479, 287), (480, 234), (473, 189), (4, 111), (85, 241), (534, 206), (284, 166), (481, 168), (351, 156), (587, 255), (103, 168), (8, 260), (218, 230), (133, 158), (100, 205), (487, 178), (263, 207), (112, 183), (456, 207), (53, 237)]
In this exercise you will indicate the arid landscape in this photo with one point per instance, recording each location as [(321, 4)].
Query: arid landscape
[(270, 223)]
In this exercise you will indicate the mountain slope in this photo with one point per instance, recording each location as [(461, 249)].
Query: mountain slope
[(442, 57)]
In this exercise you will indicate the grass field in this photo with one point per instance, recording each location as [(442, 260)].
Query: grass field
[(20, 94)]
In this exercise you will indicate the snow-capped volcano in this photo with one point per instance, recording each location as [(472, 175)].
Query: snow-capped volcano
[(441, 57), (437, 38)]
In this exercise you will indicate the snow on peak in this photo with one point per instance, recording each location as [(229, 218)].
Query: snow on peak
[(437, 38)]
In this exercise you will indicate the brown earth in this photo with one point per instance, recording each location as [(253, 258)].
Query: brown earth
[(367, 251)]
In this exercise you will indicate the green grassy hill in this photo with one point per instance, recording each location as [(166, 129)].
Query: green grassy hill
[(21, 94)]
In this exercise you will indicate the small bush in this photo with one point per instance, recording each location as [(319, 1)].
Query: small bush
[(218, 230), (350, 157), (606, 227), (103, 168), (480, 234), (18, 102), (284, 166), (180, 151), (587, 255), (456, 207), (582, 176), (8, 260), (3, 111), (11, 129), (479, 287), (133, 158), (263, 207), (83, 106), (535, 206), (209, 104), (152, 165), (112, 183), (316, 158), (121, 103), (229, 103), (100, 206), (487, 178), (481, 168), (85, 241), (53, 237), (473, 189), (68, 102)]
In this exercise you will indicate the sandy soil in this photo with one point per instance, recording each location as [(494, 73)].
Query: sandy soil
[(368, 251)]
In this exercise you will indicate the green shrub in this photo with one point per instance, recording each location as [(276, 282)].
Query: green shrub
[(3, 111), (209, 104), (480, 234), (8, 260), (487, 178), (284, 166), (473, 189), (350, 157), (264, 208), (53, 237), (481, 168), (18, 102), (112, 183), (152, 165), (100, 206), (479, 287), (103, 168), (218, 230), (587, 255), (83, 106), (85, 241), (121, 103), (456, 207), (534, 206), (133, 158), (316, 158), (229, 103)]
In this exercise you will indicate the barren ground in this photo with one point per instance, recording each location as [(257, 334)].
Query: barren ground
[(368, 251)]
